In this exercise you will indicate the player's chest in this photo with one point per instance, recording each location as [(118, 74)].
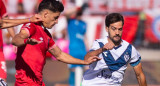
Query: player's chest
[(43, 38), (117, 55)]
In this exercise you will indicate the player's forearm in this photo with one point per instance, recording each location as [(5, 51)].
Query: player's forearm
[(6, 23), (66, 58), (18, 40), (11, 31), (141, 80), (93, 53)]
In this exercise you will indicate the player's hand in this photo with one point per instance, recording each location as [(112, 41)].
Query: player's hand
[(91, 59), (32, 41), (108, 46), (35, 18)]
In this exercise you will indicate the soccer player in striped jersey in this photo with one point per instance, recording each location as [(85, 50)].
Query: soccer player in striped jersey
[(115, 54)]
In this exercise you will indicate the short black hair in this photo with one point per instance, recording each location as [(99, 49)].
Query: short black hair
[(112, 18), (52, 5)]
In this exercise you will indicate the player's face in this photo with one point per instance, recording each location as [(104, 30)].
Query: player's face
[(115, 31), (50, 19)]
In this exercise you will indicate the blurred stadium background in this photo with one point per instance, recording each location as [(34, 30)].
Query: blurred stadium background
[(141, 28)]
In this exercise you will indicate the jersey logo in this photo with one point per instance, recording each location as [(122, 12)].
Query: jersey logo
[(3, 66), (126, 57), (41, 38), (27, 25), (105, 53), (79, 36)]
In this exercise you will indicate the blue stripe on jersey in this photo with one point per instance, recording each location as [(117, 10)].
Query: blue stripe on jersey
[(113, 64), (136, 63)]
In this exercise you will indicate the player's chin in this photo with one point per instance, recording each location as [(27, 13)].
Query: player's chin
[(51, 26), (116, 39)]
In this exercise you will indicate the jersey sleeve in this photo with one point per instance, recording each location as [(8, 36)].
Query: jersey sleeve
[(30, 28), (51, 44), (95, 46), (135, 57), (3, 12)]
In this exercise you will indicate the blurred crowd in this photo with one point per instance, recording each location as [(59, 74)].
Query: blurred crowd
[(142, 33)]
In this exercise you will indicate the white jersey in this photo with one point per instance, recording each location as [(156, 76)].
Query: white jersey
[(109, 71)]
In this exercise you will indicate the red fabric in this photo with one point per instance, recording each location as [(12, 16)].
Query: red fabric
[(2, 60), (31, 58), (39, 1), (29, 28), (149, 35), (20, 1), (130, 28), (2, 66), (98, 31), (2, 9)]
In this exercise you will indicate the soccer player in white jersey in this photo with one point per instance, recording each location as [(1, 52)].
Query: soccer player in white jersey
[(115, 54)]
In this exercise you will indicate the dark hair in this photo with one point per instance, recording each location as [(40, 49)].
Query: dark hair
[(52, 5), (112, 18), (79, 12)]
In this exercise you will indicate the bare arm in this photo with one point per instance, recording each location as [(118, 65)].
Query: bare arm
[(5, 23), (11, 29), (19, 39), (66, 58), (140, 75)]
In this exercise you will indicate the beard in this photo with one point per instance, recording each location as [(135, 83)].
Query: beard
[(116, 42)]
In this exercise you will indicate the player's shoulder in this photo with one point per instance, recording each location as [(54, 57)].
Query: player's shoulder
[(1, 2), (127, 44), (30, 25), (102, 40)]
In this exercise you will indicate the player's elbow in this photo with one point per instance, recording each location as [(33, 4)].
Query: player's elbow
[(13, 42), (61, 57)]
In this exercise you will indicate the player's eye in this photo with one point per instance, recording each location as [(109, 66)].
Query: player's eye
[(120, 29), (56, 17), (113, 28)]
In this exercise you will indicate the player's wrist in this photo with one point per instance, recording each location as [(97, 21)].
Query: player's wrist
[(29, 20), (85, 62), (102, 49)]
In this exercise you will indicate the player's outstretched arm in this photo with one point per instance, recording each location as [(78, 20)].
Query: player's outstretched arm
[(6, 23), (140, 75), (66, 58), (93, 53)]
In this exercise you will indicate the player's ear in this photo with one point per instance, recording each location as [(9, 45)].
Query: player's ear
[(106, 29), (45, 14)]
